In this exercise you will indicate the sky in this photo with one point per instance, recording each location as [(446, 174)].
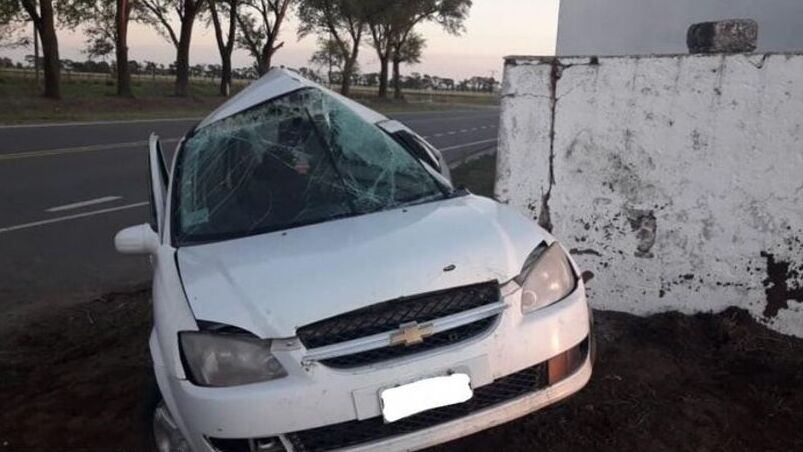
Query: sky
[(495, 28)]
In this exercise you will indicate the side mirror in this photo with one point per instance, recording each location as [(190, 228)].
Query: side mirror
[(138, 239)]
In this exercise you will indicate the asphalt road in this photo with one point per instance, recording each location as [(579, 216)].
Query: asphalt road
[(66, 189)]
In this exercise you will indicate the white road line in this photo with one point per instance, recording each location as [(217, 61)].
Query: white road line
[(97, 123), (465, 145), (80, 149), (451, 132), (436, 113), (77, 205), (463, 130), (141, 204), (438, 135), (70, 217)]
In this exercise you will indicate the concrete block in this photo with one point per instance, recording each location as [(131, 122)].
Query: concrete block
[(724, 36)]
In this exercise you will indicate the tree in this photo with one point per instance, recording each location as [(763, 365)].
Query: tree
[(384, 22), (13, 26), (258, 35), (158, 13), (134, 67), (123, 13), (42, 14), (310, 74), (341, 21), (329, 56), (225, 44), (106, 23), (450, 14), (371, 79), (410, 52)]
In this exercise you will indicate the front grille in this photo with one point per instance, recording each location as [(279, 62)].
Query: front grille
[(441, 339), (352, 433), (387, 316)]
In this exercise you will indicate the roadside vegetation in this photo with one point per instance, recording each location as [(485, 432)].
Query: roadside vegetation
[(89, 97), (111, 86)]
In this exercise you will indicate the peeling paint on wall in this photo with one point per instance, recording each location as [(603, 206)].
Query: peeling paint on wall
[(643, 224), (674, 181), (784, 282)]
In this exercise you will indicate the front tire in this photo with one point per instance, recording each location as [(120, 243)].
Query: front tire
[(166, 434)]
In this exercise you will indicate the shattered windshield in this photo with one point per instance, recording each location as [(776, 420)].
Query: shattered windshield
[(299, 159)]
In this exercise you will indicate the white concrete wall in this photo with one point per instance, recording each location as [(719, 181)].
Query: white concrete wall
[(677, 181), (643, 27)]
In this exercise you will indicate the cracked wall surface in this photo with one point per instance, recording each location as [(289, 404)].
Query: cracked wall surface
[(676, 181)]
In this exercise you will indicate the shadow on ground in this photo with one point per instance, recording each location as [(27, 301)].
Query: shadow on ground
[(79, 378)]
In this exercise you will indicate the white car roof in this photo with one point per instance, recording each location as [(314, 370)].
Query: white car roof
[(275, 83)]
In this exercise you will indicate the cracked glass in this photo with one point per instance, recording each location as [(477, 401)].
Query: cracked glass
[(299, 159)]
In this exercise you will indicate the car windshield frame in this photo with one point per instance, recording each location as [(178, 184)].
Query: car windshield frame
[(442, 188)]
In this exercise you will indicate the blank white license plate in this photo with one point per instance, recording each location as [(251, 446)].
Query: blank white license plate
[(406, 400)]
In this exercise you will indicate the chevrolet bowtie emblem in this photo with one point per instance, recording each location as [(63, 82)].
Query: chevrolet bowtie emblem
[(410, 334)]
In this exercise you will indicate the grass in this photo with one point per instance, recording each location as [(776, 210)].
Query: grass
[(86, 98), (477, 175)]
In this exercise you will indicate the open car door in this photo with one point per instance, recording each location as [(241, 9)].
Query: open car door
[(157, 170)]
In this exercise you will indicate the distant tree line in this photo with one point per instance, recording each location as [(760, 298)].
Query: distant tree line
[(414, 81), (342, 28)]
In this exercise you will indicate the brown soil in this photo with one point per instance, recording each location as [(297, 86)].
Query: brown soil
[(78, 379)]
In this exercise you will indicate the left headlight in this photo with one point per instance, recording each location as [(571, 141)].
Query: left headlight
[(547, 277), (217, 359)]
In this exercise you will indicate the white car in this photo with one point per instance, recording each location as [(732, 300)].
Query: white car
[(319, 284)]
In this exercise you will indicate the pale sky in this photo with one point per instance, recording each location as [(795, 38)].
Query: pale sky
[(495, 28)]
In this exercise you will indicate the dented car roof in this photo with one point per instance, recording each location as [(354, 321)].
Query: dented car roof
[(278, 82)]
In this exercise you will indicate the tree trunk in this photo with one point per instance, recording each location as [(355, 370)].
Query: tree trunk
[(50, 50), (225, 75), (348, 68), (36, 53), (268, 50), (397, 92), (383, 78), (121, 47), (183, 57), (268, 60), (345, 77), (263, 62)]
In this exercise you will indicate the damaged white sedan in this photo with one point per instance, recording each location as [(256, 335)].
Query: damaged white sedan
[(319, 284)]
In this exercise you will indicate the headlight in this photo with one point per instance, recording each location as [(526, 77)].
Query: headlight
[(547, 277), (228, 360)]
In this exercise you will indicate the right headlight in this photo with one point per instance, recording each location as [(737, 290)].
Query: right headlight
[(547, 277), (216, 359)]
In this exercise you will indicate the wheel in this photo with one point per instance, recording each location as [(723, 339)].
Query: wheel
[(166, 434)]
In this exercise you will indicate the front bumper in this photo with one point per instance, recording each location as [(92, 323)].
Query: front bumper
[(315, 396), (484, 419)]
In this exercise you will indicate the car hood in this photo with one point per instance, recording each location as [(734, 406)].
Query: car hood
[(273, 283)]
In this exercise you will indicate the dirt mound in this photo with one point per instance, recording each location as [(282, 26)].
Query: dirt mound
[(673, 382), (78, 379)]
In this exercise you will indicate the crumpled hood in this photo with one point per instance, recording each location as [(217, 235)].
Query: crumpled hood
[(273, 283)]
